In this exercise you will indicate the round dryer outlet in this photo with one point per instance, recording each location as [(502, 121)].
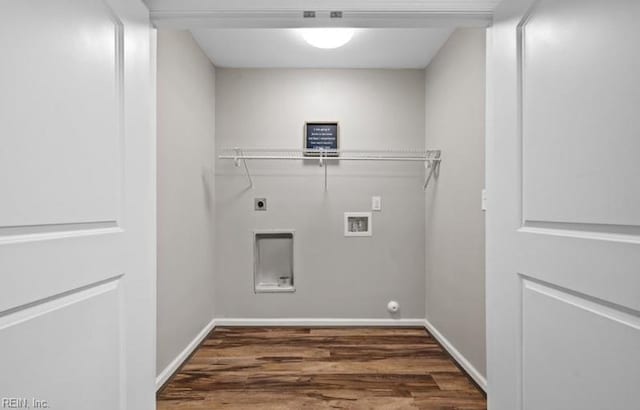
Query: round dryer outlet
[(260, 204)]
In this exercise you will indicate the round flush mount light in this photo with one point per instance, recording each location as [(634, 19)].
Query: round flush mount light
[(327, 37)]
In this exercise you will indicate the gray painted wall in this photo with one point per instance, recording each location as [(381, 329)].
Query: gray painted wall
[(185, 132), (455, 104), (335, 276)]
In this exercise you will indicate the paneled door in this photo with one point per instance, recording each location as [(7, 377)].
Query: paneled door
[(563, 219), (77, 205)]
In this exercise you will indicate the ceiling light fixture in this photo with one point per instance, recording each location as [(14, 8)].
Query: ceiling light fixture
[(327, 37)]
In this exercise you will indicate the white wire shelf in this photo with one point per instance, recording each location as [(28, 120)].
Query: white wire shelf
[(431, 158)]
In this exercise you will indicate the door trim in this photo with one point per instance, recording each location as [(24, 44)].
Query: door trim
[(287, 13)]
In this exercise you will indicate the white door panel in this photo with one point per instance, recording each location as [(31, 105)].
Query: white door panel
[(45, 267), (67, 336), (559, 330), (77, 208), (591, 265), (588, 56), (62, 104), (563, 219)]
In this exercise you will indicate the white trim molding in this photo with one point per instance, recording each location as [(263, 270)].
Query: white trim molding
[(327, 5), (175, 364), (319, 322), (187, 14), (458, 357)]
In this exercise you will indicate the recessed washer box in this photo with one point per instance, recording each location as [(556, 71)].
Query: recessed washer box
[(273, 261), (358, 224)]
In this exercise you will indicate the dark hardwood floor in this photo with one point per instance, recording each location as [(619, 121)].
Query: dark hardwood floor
[(320, 368)]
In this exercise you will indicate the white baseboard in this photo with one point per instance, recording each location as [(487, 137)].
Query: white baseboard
[(317, 322), (175, 364), (462, 361)]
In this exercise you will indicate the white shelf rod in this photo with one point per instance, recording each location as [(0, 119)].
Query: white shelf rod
[(430, 158), (327, 158)]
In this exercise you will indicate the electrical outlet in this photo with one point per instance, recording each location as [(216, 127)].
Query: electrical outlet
[(483, 201), (376, 203)]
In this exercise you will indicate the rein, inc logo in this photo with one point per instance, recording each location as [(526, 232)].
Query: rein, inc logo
[(22, 403)]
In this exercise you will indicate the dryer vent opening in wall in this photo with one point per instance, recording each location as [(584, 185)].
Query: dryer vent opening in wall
[(357, 224), (273, 261)]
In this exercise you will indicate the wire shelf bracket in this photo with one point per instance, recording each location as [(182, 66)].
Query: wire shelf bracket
[(239, 155)]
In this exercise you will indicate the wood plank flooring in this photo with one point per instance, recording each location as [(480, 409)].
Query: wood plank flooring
[(320, 368)]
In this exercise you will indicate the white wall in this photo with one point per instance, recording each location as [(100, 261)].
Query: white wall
[(336, 277), (185, 130), (455, 92)]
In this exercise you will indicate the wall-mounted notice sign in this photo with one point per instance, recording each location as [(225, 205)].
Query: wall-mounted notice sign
[(321, 135)]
